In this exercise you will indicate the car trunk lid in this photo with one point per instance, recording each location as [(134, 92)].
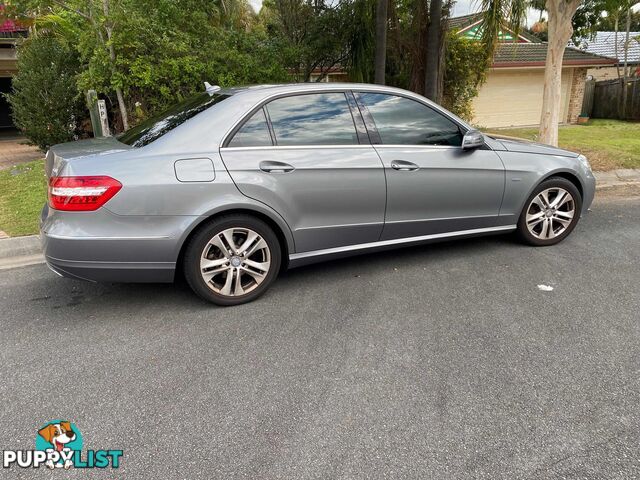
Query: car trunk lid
[(59, 155)]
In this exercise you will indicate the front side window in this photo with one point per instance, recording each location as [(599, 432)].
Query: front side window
[(155, 127), (312, 119), (254, 132), (402, 121)]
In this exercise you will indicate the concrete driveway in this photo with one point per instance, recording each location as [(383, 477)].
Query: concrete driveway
[(445, 361)]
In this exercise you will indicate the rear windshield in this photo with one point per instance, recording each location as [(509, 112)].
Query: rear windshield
[(155, 127)]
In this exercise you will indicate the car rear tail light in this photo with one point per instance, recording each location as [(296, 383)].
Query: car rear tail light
[(81, 193)]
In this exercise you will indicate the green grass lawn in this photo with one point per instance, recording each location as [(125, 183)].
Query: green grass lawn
[(608, 144), (23, 191)]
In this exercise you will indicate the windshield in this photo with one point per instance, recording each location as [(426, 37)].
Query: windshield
[(157, 126)]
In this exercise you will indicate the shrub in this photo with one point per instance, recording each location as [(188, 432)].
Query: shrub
[(45, 99), (466, 64)]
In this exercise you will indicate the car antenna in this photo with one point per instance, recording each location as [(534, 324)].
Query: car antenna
[(211, 89)]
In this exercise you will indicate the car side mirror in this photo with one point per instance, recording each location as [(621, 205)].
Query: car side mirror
[(472, 139)]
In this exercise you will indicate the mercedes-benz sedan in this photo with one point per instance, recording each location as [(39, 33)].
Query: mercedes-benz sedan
[(233, 185)]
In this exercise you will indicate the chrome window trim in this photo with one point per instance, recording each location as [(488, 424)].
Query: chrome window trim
[(362, 145), (464, 128), (295, 90), (413, 146), (294, 147), (398, 241), (226, 138)]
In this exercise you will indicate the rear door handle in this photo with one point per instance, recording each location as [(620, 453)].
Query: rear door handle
[(276, 167), (404, 166)]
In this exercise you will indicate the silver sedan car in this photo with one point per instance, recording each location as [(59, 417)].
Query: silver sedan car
[(233, 185)]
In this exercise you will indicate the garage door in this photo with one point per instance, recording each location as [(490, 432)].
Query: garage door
[(514, 98)]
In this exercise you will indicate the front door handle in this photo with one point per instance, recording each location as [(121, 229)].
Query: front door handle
[(404, 166), (276, 167)]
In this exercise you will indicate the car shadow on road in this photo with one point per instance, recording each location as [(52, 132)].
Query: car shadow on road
[(424, 254), (56, 294)]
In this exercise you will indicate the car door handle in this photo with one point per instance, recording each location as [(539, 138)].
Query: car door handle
[(276, 167), (404, 166)]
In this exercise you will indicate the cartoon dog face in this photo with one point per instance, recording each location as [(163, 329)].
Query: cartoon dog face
[(58, 434)]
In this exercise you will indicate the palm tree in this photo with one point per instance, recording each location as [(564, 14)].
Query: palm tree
[(432, 64), (560, 16)]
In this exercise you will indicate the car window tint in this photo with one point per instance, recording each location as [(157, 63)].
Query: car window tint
[(254, 132), (314, 119), (402, 121), (155, 127)]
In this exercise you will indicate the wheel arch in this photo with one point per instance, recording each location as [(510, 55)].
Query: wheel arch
[(565, 174), (282, 232)]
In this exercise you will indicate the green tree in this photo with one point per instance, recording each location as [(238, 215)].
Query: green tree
[(313, 36), (45, 100), (465, 70)]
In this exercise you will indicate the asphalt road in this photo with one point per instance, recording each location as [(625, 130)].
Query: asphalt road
[(444, 361)]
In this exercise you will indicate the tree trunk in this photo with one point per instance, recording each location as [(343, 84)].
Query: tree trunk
[(381, 42), (560, 30), (112, 58), (625, 73), (432, 64)]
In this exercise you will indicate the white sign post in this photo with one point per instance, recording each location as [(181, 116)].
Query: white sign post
[(104, 120)]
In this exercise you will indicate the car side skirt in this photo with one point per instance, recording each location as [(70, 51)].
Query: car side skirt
[(306, 258)]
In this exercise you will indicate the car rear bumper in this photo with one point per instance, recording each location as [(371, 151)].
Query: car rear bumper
[(103, 247), (119, 272)]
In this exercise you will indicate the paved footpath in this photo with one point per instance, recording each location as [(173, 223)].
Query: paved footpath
[(14, 150)]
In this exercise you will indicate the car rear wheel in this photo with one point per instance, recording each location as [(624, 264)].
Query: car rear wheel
[(232, 260), (550, 213)]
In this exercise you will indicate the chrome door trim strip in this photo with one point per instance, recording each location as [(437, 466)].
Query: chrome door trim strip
[(440, 219), (398, 241), (342, 225)]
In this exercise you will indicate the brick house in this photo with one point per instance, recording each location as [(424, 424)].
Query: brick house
[(512, 94)]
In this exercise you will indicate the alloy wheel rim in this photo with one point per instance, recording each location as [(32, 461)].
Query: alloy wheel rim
[(235, 262), (550, 213)]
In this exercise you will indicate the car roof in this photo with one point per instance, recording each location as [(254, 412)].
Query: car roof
[(271, 89)]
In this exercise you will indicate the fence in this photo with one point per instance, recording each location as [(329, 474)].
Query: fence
[(603, 99)]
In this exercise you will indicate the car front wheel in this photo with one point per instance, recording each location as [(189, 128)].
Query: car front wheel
[(232, 260), (550, 213)]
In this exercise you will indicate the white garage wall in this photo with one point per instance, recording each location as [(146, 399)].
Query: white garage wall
[(513, 97)]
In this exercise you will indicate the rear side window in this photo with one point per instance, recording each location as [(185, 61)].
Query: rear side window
[(155, 127), (312, 119), (254, 132), (402, 121)]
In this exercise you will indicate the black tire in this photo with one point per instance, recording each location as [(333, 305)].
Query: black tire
[(200, 240), (553, 182)]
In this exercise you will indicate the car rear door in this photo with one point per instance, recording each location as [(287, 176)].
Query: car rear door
[(433, 186), (307, 156)]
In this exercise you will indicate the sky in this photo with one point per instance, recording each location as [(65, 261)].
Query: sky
[(461, 7)]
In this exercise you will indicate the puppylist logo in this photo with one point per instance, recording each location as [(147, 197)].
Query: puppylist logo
[(59, 445)]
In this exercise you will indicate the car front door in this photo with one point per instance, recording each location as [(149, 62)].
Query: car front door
[(307, 156), (433, 186)]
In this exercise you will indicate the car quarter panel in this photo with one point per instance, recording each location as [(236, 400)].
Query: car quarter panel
[(152, 204)]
